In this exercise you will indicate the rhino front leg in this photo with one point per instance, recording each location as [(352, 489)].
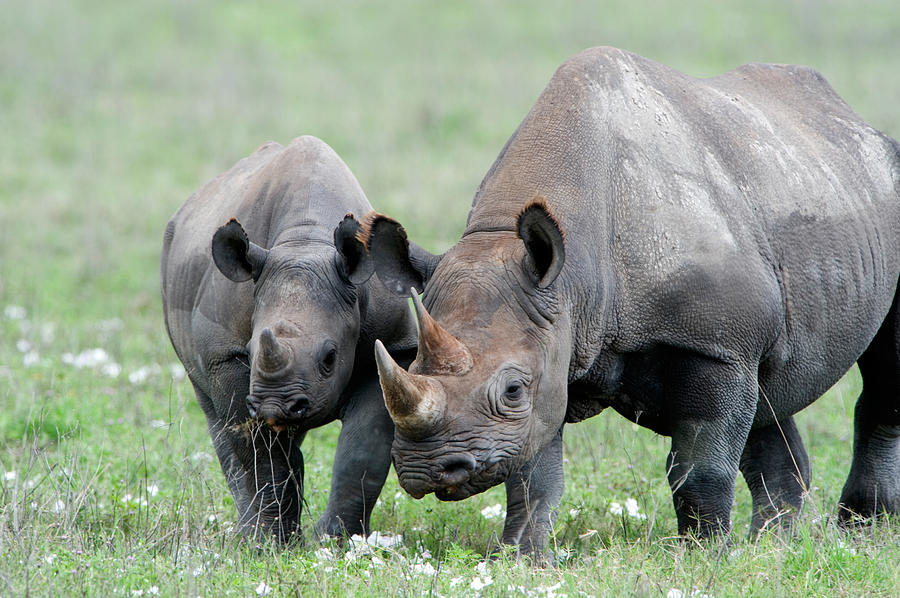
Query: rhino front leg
[(532, 499), (776, 468), (714, 404), (361, 463), (264, 470)]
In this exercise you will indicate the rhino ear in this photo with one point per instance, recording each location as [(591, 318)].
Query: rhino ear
[(544, 242), (400, 264), (353, 260), (234, 255)]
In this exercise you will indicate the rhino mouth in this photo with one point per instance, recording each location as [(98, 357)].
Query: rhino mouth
[(455, 479), (280, 414)]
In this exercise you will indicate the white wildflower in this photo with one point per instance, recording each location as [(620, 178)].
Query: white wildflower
[(89, 358), (58, 507), (615, 508), (424, 569), (15, 312), (23, 345), (382, 540), (49, 559), (674, 593), (197, 572), (479, 583), (398, 495), (31, 358), (48, 332), (848, 549), (550, 591), (111, 369), (153, 591), (481, 568), (211, 518), (137, 592), (176, 370), (152, 490), (323, 554), (9, 476), (633, 509), (140, 375), (493, 512), (574, 512), (127, 498), (455, 581), (263, 588)]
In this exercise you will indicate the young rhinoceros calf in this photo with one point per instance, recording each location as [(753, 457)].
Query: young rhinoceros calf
[(273, 313), (705, 256)]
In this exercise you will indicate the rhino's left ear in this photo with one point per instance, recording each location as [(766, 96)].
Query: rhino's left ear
[(544, 242), (234, 255), (353, 260)]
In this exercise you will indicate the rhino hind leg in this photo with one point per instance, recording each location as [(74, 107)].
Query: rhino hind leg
[(873, 485), (532, 499), (775, 466)]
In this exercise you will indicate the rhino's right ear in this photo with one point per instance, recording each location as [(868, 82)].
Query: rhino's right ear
[(234, 255), (399, 264)]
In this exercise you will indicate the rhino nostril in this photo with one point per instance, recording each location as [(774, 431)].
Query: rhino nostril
[(299, 406), (457, 470)]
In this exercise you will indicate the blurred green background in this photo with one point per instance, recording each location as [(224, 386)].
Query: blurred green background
[(112, 113)]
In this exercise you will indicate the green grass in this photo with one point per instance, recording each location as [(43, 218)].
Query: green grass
[(111, 114)]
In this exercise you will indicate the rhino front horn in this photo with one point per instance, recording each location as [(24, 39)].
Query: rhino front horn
[(439, 353), (414, 402), (273, 356)]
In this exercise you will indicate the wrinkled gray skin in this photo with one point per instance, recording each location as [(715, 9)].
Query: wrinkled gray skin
[(283, 327), (710, 257)]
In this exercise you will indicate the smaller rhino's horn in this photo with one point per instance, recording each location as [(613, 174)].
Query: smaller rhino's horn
[(439, 352), (273, 356)]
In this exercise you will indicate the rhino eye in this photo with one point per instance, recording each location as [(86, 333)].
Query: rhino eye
[(328, 361), (513, 390)]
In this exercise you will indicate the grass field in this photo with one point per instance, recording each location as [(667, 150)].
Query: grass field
[(111, 114)]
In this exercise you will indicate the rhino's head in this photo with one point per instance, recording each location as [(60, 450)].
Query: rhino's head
[(305, 324), (487, 389)]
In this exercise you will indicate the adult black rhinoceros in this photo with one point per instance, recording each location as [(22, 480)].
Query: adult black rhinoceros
[(275, 319), (705, 256)]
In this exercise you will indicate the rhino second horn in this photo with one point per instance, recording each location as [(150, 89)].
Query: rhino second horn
[(273, 356), (440, 352), (415, 403)]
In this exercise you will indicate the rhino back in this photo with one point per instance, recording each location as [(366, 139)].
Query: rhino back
[(281, 194), (741, 211)]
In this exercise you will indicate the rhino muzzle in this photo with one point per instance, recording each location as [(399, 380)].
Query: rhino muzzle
[(447, 477)]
